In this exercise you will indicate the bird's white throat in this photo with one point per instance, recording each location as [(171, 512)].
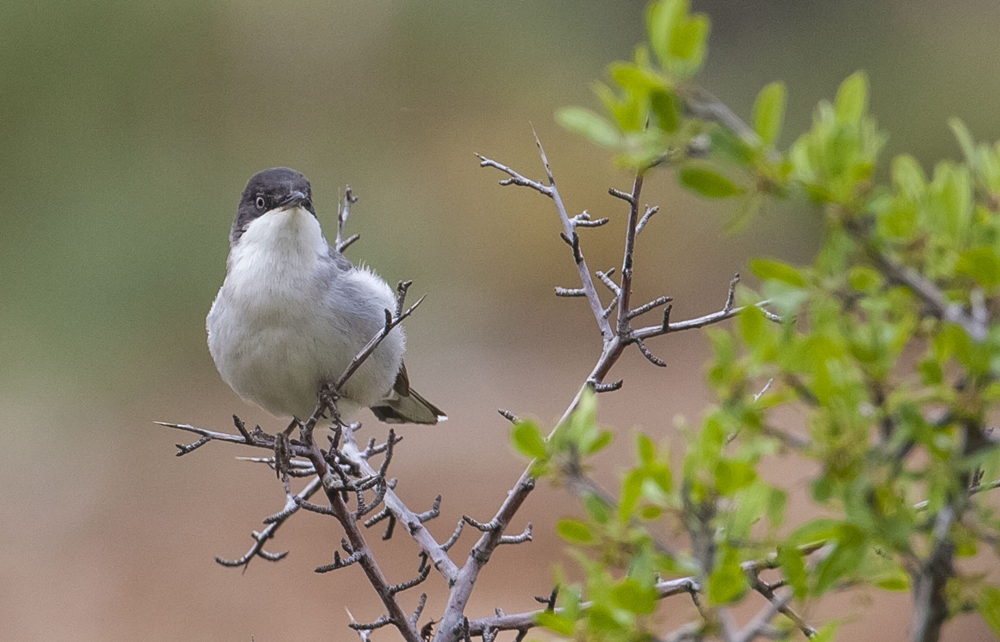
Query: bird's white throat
[(277, 251)]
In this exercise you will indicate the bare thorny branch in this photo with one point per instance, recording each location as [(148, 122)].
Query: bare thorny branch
[(343, 469)]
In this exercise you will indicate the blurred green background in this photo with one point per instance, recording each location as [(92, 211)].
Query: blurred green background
[(127, 132)]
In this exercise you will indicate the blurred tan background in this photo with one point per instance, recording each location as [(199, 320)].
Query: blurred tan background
[(127, 132)]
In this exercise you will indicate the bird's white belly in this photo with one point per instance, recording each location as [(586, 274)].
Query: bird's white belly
[(279, 362)]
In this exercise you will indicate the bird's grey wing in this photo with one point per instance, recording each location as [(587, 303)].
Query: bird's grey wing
[(341, 261)]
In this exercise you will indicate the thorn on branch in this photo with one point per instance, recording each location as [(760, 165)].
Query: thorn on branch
[(652, 305), (573, 242), (605, 278), (380, 488), (652, 358), (650, 211), (183, 449), (339, 563), (432, 513), (508, 415), (570, 292), (383, 620), (389, 443), (372, 449), (488, 526), (665, 326), (622, 195), (550, 601), (583, 220), (377, 517), (731, 296), (242, 428), (611, 306), (256, 550), (454, 536), (515, 178), (401, 289), (770, 316), (517, 539), (348, 242), (425, 570), (606, 387), (313, 508), (387, 534), (418, 611), (290, 507)]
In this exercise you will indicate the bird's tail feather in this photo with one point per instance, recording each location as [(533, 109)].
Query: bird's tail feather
[(410, 408)]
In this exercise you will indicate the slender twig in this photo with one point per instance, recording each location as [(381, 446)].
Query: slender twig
[(568, 227), (268, 533), (631, 229), (343, 212)]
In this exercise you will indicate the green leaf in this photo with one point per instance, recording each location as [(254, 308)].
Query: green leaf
[(982, 264), (527, 439), (645, 449), (632, 596), (689, 41), (631, 492), (587, 123), (852, 99), (725, 143), (794, 566), (769, 112), (708, 182), (908, 176), (661, 19), (667, 111), (727, 582), (660, 475), (650, 513), (731, 476), (599, 443), (826, 632), (555, 622), (574, 531), (965, 140), (817, 530), (844, 559), (989, 607), (768, 269), (636, 80), (597, 508), (602, 619)]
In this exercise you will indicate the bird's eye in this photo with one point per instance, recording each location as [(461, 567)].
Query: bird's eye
[(260, 202)]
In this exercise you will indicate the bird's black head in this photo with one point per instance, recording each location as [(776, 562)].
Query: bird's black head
[(275, 188)]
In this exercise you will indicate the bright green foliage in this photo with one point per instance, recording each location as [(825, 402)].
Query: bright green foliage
[(644, 119), (769, 112), (887, 345)]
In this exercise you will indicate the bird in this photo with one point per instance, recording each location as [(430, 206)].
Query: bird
[(293, 312)]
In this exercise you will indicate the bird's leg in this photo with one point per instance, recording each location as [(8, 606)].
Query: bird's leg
[(282, 454), (328, 397)]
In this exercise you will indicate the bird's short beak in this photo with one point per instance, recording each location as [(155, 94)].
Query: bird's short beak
[(295, 199)]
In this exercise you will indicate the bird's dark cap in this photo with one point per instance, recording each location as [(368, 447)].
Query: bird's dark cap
[(275, 188)]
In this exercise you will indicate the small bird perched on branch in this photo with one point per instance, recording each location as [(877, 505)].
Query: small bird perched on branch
[(293, 312)]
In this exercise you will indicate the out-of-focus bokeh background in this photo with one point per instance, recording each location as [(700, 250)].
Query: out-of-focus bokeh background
[(128, 130)]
